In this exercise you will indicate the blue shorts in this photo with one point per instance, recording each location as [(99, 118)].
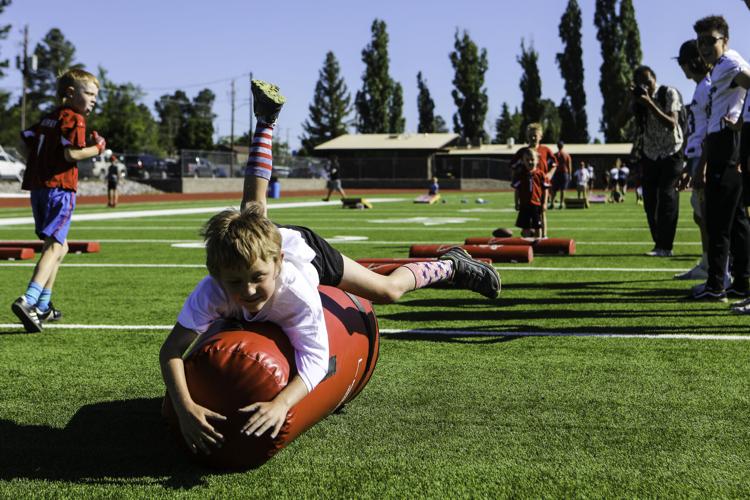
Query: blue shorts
[(53, 209)]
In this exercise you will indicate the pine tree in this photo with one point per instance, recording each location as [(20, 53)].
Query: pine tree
[(425, 107), (3, 35), (470, 65), (631, 35), (197, 130), (439, 126), (504, 126), (396, 120), (532, 108), (372, 100), (615, 77), (329, 109), (55, 55), (572, 109), (551, 122)]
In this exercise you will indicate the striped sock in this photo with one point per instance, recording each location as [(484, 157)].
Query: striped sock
[(32, 293), (260, 161), (427, 273), (44, 299)]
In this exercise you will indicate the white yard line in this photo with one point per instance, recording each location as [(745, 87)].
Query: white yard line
[(132, 214), (418, 332)]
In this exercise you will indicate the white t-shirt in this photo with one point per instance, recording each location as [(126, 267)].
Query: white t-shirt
[(725, 100), (582, 176), (295, 307), (698, 119), (614, 173), (590, 171), (624, 173)]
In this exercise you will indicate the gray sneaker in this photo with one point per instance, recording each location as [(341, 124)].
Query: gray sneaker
[(696, 273), (471, 274), (27, 315), (267, 101)]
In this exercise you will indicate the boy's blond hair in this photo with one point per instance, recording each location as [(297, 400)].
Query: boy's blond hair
[(73, 78), (237, 239), (535, 126)]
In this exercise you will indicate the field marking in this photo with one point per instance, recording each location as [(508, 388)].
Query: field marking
[(132, 214), (417, 332)]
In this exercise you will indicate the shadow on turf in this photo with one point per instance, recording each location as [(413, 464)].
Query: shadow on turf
[(114, 442)]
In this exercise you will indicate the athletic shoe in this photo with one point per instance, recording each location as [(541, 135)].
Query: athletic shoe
[(740, 304), (704, 292), (659, 252), (735, 290), (696, 273), (27, 315), (471, 274), (50, 314), (267, 101)]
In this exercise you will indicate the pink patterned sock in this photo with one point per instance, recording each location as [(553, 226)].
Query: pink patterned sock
[(427, 273), (260, 161)]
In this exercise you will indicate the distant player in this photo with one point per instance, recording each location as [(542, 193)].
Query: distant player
[(581, 177), (54, 145), (434, 187), (113, 178), (561, 179), (530, 183)]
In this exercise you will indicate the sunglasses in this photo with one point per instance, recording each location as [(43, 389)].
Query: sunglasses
[(708, 40)]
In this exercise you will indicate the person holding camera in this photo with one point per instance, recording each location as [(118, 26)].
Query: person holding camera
[(658, 146)]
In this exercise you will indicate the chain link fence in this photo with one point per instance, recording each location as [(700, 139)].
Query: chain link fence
[(222, 164)]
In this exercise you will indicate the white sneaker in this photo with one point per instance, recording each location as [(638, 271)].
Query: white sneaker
[(659, 252), (696, 273), (741, 304)]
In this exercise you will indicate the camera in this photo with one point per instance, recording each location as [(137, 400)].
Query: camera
[(640, 90)]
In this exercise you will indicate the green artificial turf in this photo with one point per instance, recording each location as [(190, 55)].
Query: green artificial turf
[(445, 415)]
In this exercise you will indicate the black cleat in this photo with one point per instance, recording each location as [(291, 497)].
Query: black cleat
[(471, 274), (50, 314), (267, 101), (27, 315)]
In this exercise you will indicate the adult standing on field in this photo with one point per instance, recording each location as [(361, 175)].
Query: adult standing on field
[(334, 178), (561, 179), (658, 146)]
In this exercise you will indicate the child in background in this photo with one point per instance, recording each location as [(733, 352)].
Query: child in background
[(259, 271), (434, 187), (113, 177), (582, 181), (530, 182), (54, 146)]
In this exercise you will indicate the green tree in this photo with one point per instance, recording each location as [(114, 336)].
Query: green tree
[(631, 35), (503, 126), (614, 75), (122, 119), (532, 107), (329, 109), (572, 110), (197, 131), (55, 55), (371, 102), (9, 113), (425, 107), (550, 121), (439, 126), (470, 65), (4, 30), (172, 111), (396, 120)]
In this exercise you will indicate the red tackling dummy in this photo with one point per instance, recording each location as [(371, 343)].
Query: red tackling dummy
[(73, 246), (16, 253), (235, 365), (497, 253), (549, 246)]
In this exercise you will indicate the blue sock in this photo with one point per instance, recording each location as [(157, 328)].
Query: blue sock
[(44, 298), (32, 293)]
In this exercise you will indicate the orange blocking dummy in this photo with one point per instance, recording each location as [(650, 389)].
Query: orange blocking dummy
[(234, 366)]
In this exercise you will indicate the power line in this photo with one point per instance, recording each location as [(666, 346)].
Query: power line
[(214, 82)]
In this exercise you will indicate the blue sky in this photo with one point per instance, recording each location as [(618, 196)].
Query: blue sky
[(164, 45)]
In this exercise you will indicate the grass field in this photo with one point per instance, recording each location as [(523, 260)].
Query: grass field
[(480, 409)]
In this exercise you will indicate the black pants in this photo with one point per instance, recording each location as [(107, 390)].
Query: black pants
[(660, 199), (726, 219)]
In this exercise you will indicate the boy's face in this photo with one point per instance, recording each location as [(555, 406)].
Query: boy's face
[(82, 97), (534, 136), (529, 162), (251, 287), (646, 80), (711, 45)]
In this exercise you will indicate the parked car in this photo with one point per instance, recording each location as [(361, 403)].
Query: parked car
[(98, 167), (10, 166), (145, 166), (201, 167)]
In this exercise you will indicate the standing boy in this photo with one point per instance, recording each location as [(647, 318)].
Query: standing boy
[(530, 184), (54, 146), (113, 177), (726, 219)]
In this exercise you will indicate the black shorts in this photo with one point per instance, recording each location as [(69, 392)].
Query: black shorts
[(529, 217), (112, 185), (328, 261), (744, 156)]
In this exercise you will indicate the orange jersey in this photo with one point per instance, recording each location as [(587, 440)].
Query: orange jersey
[(46, 166), (530, 186), (546, 159)]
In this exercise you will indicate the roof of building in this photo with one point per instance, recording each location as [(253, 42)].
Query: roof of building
[(572, 149), (388, 141)]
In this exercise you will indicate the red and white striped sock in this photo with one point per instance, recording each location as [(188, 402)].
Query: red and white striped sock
[(260, 161), (427, 273)]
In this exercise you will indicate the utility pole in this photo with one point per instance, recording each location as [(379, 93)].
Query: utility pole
[(250, 132), (24, 75), (231, 137)]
